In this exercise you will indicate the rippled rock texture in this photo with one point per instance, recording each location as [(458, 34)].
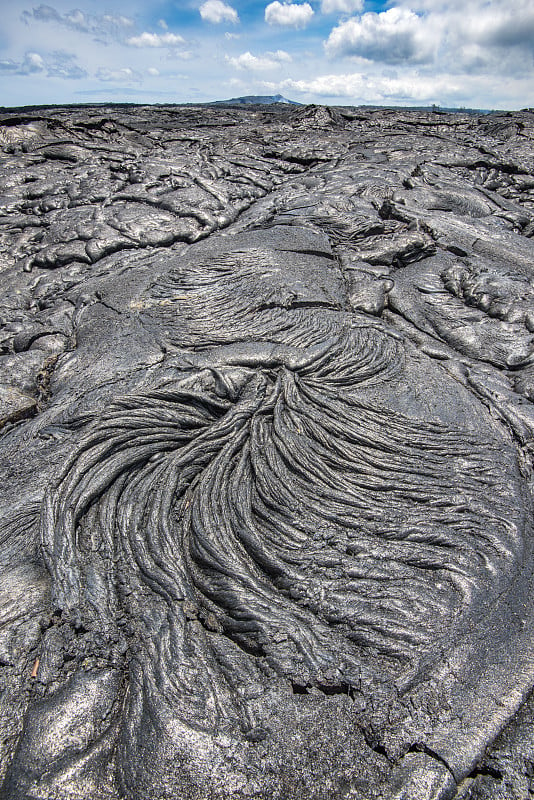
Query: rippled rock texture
[(266, 396)]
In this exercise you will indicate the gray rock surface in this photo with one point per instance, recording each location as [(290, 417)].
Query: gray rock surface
[(267, 425)]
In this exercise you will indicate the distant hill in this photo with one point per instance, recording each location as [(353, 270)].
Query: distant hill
[(255, 100)]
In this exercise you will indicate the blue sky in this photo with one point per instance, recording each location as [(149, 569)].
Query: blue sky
[(476, 53)]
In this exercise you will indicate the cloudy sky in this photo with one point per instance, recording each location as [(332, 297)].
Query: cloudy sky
[(474, 53)]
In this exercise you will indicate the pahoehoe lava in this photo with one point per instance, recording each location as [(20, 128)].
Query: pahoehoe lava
[(267, 425)]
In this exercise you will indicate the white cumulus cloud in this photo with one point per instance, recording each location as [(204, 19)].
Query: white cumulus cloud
[(267, 61), (126, 74), (102, 25), (216, 11), (491, 37), (500, 25), (57, 64), (393, 37), (34, 62), (343, 6), (156, 40), (375, 89), (291, 15)]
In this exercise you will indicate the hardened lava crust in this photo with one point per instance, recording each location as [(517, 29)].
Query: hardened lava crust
[(266, 438)]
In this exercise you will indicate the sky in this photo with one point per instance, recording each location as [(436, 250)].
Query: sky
[(460, 53)]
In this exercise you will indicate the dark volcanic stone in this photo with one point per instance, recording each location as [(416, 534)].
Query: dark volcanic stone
[(266, 416)]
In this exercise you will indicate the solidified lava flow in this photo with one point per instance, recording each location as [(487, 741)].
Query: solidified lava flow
[(267, 425)]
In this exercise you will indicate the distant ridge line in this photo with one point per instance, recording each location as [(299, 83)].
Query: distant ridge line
[(254, 99)]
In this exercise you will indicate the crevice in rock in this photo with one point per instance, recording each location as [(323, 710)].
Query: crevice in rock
[(486, 772), (420, 747)]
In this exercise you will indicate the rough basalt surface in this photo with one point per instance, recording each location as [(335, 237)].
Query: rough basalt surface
[(267, 426)]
